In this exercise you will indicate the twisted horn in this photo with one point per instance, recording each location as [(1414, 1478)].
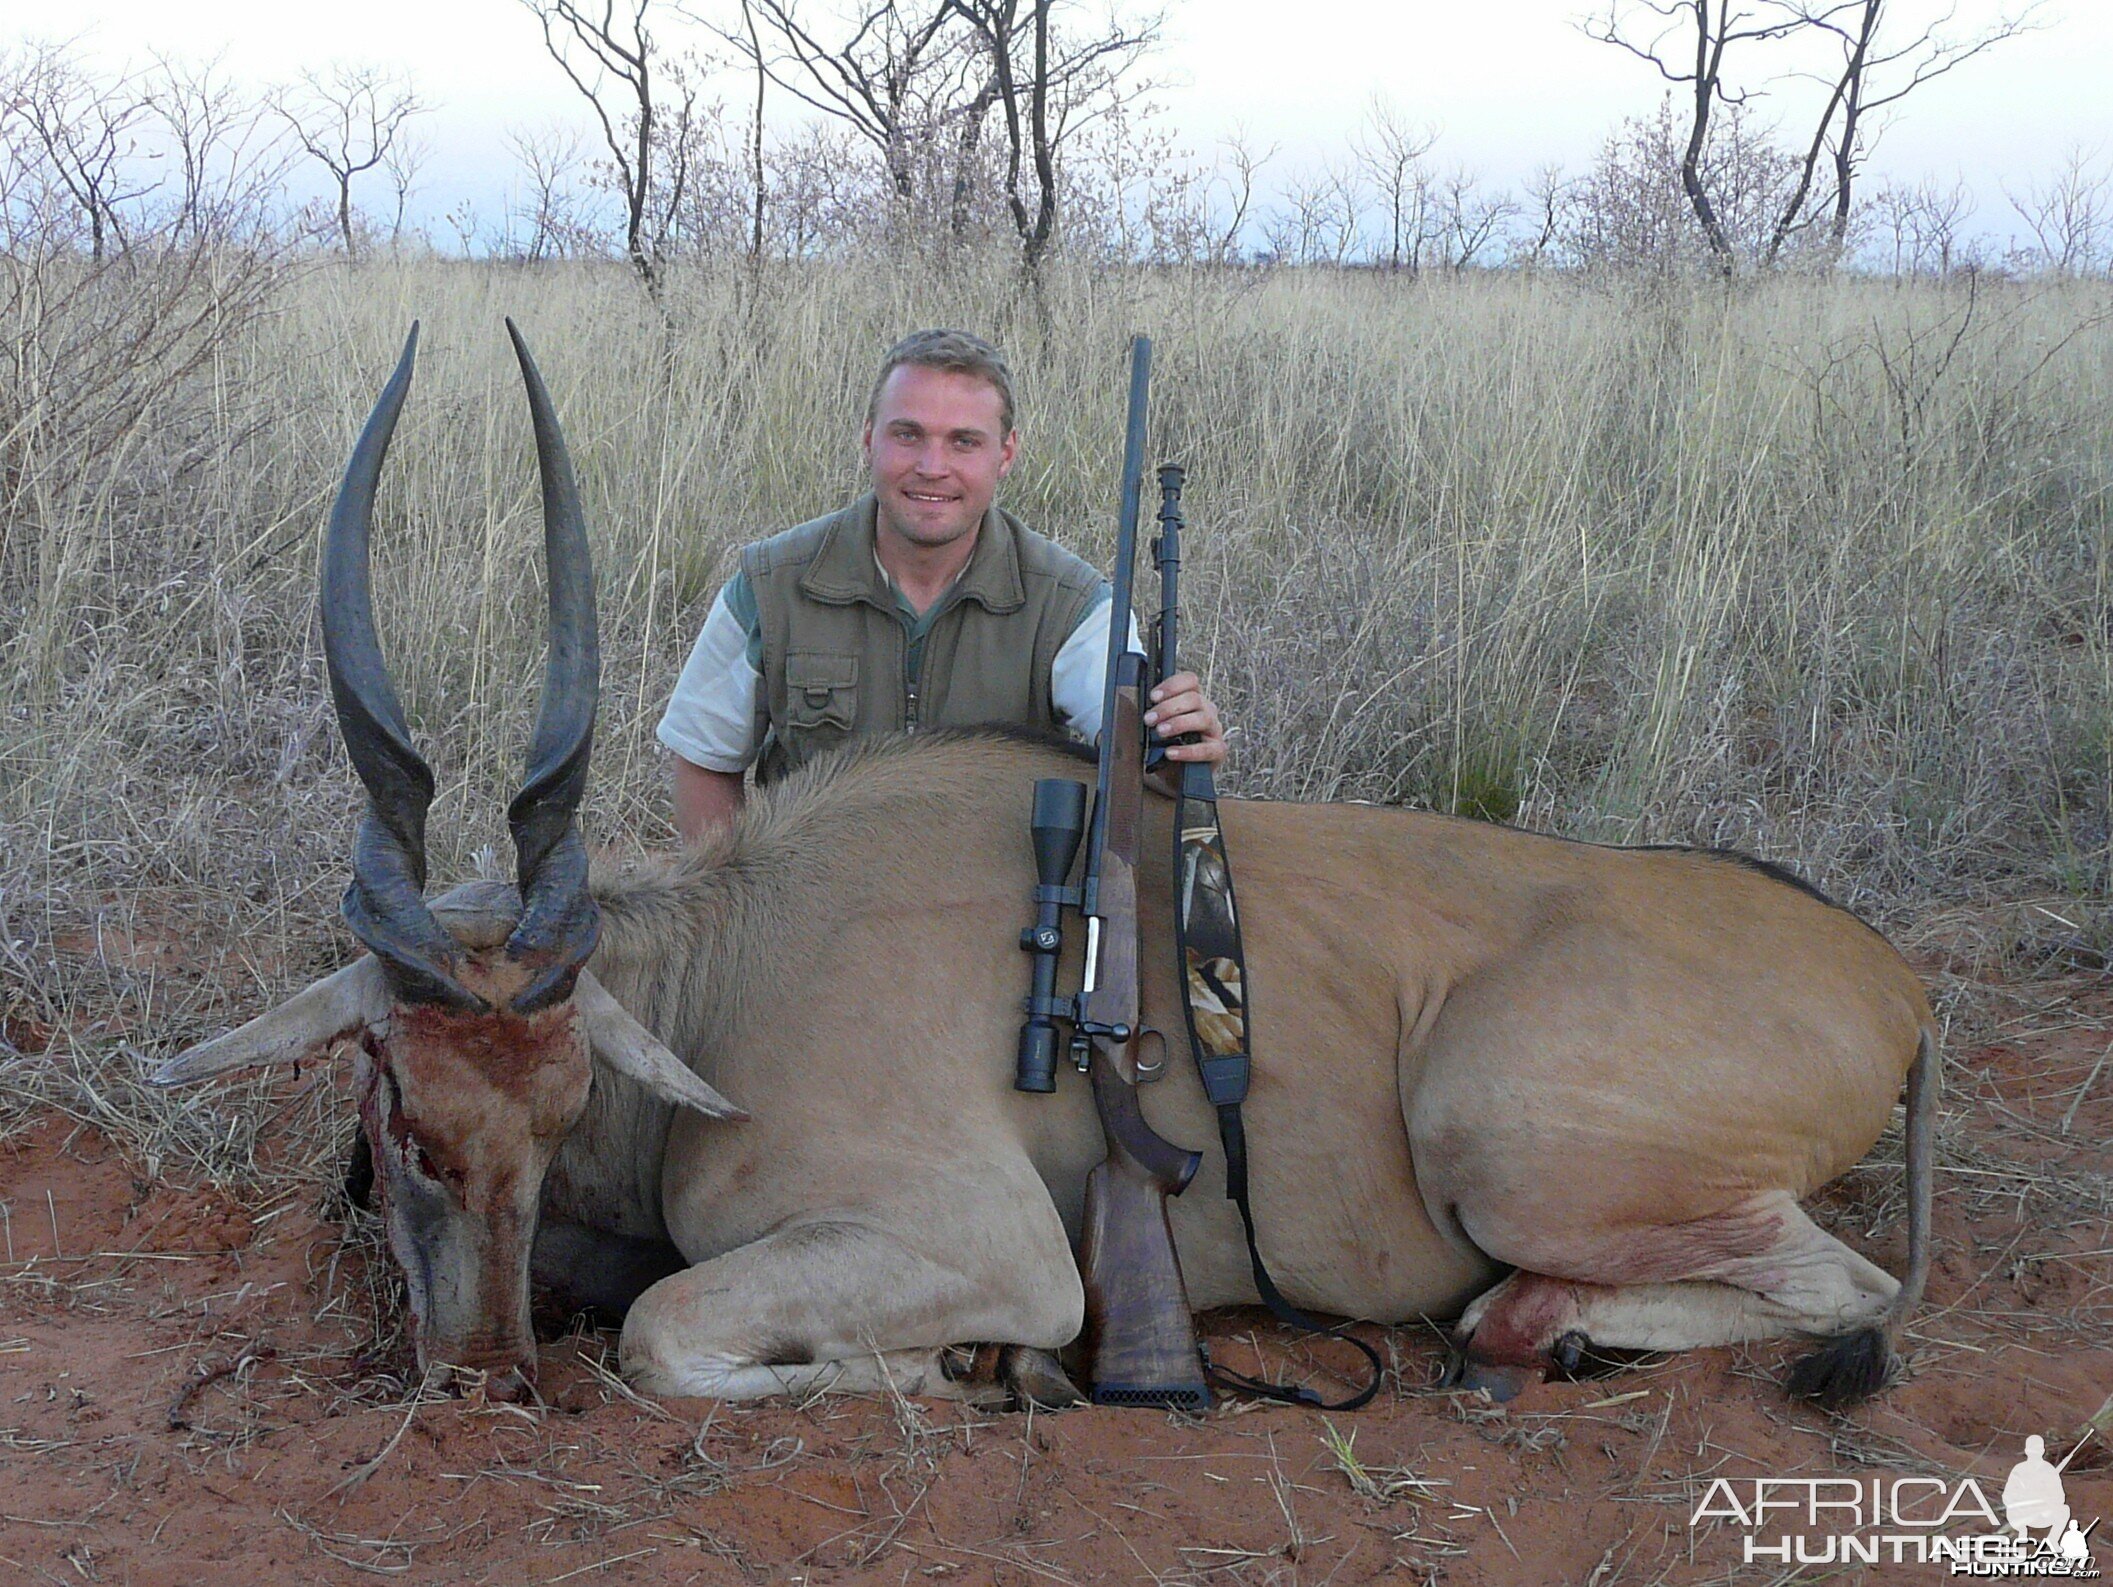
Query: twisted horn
[(559, 920), (385, 903)]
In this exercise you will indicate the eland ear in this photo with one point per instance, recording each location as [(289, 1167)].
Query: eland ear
[(356, 996), (631, 1050)]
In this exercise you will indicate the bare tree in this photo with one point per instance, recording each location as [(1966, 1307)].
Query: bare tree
[(1045, 94), (352, 120), (1846, 97), (1391, 150), (883, 69), (1551, 196), (996, 24), (1876, 74), (85, 131), (821, 190), (970, 160), (922, 78), (1630, 211), (462, 219), (1468, 218), (1687, 41), (1245, 162), (100, 339), (2070, 215), (1177, 223), (1941, 216), (1348, 190), (703, 200), (401, 164), (1922, 226), (755, 139), (611, 55), (1892, 210), (228, 155), (676, 161), (552, 164), (1308, 223)]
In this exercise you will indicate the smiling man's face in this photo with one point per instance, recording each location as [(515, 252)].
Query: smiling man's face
[(936, 448)]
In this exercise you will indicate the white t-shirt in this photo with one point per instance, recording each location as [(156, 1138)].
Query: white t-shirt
[(714, 718)]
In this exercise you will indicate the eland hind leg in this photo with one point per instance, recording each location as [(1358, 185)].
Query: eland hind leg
[(1759, 1271)]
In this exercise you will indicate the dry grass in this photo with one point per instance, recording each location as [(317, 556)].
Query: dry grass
[(1816, 569)]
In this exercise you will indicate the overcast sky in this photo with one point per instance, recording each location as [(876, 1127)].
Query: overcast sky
[(1512, 84)]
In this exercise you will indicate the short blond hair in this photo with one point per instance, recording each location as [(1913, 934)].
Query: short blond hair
[(957, 352)]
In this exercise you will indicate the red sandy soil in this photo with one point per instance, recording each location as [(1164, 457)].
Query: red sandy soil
[(195, 1389)]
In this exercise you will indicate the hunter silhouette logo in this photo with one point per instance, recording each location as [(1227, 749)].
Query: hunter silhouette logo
[(1913, 1520), (2033, 1500)]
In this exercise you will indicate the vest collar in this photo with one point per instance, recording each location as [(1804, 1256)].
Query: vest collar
[(845, 570)]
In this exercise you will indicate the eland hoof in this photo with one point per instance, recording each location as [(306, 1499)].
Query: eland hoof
[(1569, 1352), (1035, 1378)]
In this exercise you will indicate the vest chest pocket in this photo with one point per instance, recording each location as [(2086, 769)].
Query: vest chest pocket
[(821, 690)]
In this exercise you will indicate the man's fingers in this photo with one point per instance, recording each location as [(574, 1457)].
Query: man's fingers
[(1186, 722), (1189, 703), (1179, 683), (1209, 750), (1180, 707)]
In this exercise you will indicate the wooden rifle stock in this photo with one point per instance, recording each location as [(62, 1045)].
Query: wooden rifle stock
[(1142, 1342), (1137, 1309)]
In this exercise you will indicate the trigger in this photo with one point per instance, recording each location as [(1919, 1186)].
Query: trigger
[(1158, 1066)]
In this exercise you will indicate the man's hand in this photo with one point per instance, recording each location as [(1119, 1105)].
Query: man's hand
[(1180, 706)]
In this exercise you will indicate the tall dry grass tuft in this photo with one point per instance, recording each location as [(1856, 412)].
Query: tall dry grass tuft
[(1818, 569)]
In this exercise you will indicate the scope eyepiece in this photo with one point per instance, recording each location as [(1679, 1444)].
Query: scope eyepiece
[(1034, 1068)]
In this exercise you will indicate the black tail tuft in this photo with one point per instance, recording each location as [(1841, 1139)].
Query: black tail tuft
[(1844, 1369)]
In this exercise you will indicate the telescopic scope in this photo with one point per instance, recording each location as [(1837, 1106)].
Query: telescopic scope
[(1059, 821)]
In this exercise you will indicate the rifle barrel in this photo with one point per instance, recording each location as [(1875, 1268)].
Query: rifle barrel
[(1167, 552), (1133, 482), (1133, 478)]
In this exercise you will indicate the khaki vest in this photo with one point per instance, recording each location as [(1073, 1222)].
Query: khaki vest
[(836, 650)]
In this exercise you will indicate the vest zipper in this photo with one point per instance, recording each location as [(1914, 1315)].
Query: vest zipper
[(910, 675), (909, 684)]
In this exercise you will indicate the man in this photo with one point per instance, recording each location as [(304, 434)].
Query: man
[(921, 604)]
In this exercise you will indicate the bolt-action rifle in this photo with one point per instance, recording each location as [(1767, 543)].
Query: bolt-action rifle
[(1143, 1344)]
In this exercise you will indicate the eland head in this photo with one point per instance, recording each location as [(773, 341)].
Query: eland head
[(477, 1026)]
